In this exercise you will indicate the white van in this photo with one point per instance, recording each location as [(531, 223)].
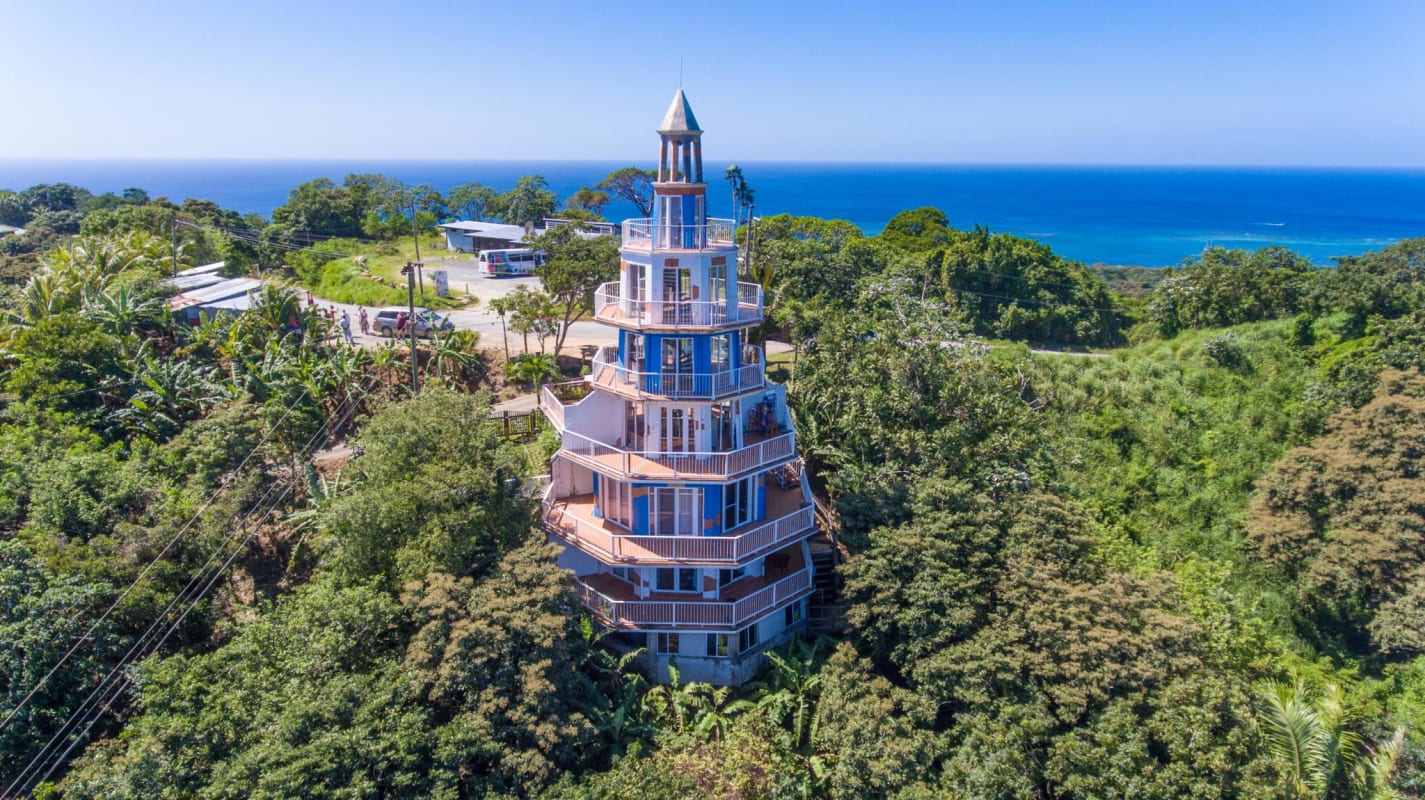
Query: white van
[(499, 263)]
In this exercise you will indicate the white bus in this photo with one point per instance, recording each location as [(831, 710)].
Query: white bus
[(497, 263)]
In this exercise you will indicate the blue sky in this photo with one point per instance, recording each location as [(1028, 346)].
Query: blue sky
[(1146, 82)]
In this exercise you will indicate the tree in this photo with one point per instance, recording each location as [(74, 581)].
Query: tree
[(1341, 516), (40, 618), (589, 200), (307, 700), (891, 390), (633, 185), (532, 369), (322, 208), (503, 306), (1228, 287), (528, 203), (533, 311), (920, 230), (497, 658), (1016, 288), (1387, 283), (437, 490), (742, 195), (575, 266), (472, 201)]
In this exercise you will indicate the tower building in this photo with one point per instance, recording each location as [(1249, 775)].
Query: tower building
[(677, 493)]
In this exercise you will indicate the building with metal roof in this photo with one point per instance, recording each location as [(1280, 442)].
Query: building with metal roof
[(469, 236)]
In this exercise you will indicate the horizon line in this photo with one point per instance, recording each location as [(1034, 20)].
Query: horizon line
[(607, 161)]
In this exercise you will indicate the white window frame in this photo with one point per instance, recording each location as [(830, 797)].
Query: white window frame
[(739, 502)]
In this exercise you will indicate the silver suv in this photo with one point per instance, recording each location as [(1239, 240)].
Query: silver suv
[(427, 321)]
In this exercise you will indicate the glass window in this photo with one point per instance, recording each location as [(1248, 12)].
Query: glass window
[(794, 613), (635, 352), (668, 644), (726, 576), (682, 579), (616, 501), (721, 352), (737, 502), (717, 645), (747, 638), (678, 356)]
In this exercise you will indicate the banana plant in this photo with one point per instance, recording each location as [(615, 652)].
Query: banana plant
[(170, 393), (457, 352), (321, 492)]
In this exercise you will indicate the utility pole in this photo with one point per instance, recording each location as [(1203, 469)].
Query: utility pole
[(410, 272), (173, 231), (416, 234)]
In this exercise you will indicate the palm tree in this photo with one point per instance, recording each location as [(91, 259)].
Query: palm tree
[(531, 369), (1325, 760), (503, 306), (120, 310), (613, 693)]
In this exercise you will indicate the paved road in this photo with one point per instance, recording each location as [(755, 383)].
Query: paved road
[(478, 318)]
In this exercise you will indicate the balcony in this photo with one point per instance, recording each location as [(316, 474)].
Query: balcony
[(553, 397), (613, 600), (611, 307), (645, 234), (789, 517), (758, 453), (609, 374)]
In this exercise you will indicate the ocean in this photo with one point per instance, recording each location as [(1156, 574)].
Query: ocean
[(1147, 216)]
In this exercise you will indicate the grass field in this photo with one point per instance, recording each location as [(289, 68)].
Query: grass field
[(343, 281)]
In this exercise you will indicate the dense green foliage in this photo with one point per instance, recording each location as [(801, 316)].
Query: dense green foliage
[(1187, 568), (999, 285)]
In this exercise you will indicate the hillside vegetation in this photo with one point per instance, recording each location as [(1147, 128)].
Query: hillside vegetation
[(1191, 566)]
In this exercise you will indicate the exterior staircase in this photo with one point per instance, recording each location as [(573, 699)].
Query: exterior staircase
[(826, 613)]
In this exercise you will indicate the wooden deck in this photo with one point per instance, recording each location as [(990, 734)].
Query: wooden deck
[(759, 451), (614, 601), (789, 518)]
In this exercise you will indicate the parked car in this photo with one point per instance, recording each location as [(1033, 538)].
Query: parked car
[(426, 321)]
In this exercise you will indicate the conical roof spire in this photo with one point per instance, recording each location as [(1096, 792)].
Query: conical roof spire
[(679, 118)]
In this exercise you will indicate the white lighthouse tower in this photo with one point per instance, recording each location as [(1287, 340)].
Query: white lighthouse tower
[(677, 492)]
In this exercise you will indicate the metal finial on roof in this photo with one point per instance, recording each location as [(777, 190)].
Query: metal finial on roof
[(679, 118)]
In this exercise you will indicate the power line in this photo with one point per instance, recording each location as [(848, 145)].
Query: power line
[(108, 690), (206, 505)]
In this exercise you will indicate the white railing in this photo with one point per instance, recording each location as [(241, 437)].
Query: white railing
[(610, 305), (607, 371), (553, 409), (646, 232), (589, 535), (676, 613), (657, 465)]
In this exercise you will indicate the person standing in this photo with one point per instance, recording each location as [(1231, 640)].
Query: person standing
[(346, 327), (365, 323)]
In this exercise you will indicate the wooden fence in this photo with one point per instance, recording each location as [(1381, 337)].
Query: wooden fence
[(523, 426)]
